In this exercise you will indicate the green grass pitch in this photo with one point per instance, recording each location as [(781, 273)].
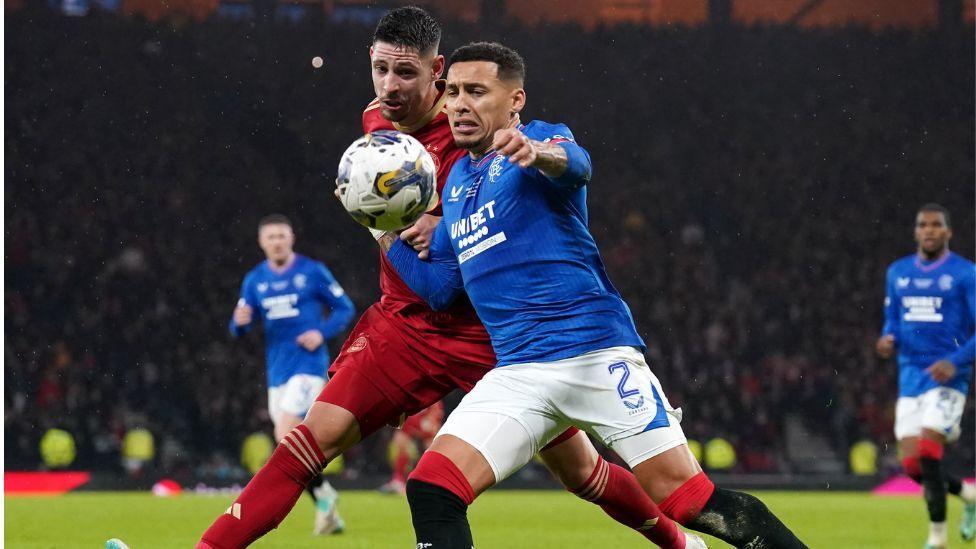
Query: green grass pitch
[(506, 519)]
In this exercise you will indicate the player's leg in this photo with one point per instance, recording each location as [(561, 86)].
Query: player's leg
[(355, 403), (493, 432), (402, 451), (614, 395), (581, 469), (940, 415), (295, 398)]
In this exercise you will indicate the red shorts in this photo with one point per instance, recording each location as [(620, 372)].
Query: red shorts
[(395, 364), (425, 424)]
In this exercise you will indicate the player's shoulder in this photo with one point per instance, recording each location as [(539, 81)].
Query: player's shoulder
[(548, 131), (373, 118), (256, 272), (962, 264), (902, 263)]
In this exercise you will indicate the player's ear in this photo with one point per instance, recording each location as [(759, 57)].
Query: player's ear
[(518, 100), (437, 67)]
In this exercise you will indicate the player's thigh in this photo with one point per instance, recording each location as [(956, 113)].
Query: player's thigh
[(941, 413), (613, 394), (908, 418), (505, 418), (662, 473), (381, 381)]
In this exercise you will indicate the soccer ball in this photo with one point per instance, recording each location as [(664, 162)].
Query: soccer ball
[(387, 180)]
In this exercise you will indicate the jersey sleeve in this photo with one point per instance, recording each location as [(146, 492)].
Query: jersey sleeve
[(341, 308), (579, 169), (966, 353), (437, 281), (247, 297), (891, 325)]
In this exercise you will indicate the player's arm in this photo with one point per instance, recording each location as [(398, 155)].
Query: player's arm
[(966, 353), (341, 307), (885, 346), (437, 280), (559, 159), (243, 317)]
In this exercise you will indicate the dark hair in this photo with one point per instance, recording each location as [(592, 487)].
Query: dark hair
[(411, 27), (510, 63), (273, 219), (938, 208)]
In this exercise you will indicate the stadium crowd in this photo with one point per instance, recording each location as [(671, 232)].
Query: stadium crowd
[(750, 188)]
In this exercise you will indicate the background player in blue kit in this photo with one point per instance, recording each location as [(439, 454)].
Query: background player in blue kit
[(930, 318), (514, 237), (288, 292)]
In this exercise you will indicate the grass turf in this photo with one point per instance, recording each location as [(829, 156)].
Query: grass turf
[(509, 519)]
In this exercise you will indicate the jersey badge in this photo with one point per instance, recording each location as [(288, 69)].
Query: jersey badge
[(299, 281), (945, 283)]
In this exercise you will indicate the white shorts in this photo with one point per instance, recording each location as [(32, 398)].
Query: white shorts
[(516, 410), (294, 396), (938, 409)]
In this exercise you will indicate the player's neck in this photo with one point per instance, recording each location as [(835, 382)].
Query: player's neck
[(934, 256), (280, 267)]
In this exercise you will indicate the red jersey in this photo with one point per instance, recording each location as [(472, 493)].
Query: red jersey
[(434, 132)]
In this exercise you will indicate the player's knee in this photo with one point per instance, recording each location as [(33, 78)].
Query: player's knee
[(912, 468), (929, 449)]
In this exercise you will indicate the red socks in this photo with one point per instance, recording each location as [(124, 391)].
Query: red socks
[(437, 469), (912, 468), (930, 449), (270, 495), (687, 501), (619, 494)]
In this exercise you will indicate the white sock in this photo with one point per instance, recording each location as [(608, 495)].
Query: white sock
[(937, 534), (968, 492)]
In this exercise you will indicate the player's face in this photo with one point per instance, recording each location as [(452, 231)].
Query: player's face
[(277, 240), (932, 233), (402, 80), (479, 103)]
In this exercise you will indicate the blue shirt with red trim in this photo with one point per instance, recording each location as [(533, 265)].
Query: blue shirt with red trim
[(517, 242), (930, 309)]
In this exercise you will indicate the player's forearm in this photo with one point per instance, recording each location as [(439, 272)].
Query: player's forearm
[(565, 163), (342, 311), (965, 354), (433, 281)]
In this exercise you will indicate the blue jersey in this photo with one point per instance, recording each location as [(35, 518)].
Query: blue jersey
[(517, 242), (289, 302), (930, 309)]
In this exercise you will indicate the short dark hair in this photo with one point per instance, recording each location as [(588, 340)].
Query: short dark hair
[(511, 66), (273, 219), (938, 208), (411, 27)]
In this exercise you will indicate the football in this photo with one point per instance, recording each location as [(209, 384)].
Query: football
[(387, 180)]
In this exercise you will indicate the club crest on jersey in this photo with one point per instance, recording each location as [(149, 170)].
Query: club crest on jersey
[(299, 281), (945, 283), (358, 345), (495, 169), (432, 149)]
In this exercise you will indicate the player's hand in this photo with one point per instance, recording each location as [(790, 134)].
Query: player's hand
[(942, 371), (885, 347), (419, 235), (310, 340), (516, 146), (243, 315)]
